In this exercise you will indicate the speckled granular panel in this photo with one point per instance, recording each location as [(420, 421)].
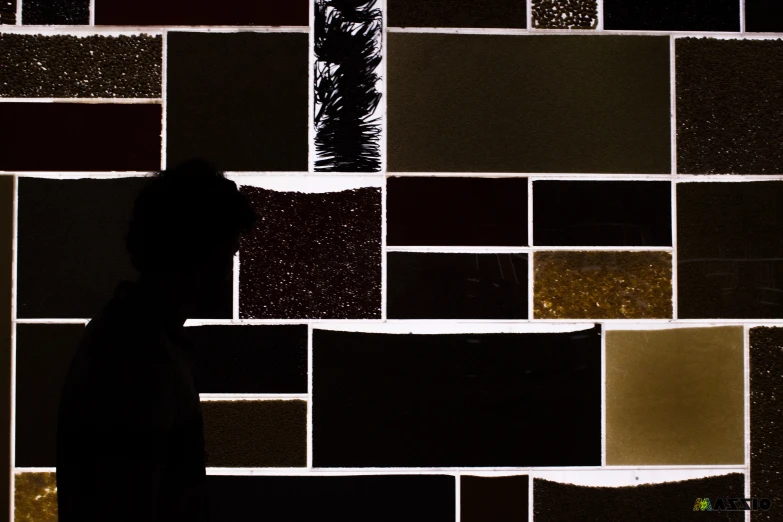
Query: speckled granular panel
[(494, 499), (65, 66), (564, 14), (672, 15), (56, 12), (729, 106), (655, 379), (457, 13), (35, 496), (766, 418), (662, 502), (602, 285), (312, 255)]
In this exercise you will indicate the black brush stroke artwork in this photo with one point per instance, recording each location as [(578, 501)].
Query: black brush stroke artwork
[(347, 54)]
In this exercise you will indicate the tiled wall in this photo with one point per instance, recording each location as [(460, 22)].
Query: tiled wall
[(517, 261)]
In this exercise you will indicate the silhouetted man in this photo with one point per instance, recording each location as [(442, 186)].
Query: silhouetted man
[(130, 443)]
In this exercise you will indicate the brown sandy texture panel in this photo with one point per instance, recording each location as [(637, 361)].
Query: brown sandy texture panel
[(201, 12), (564, 14), (312, 255), (80, 137), (95, 66), (457, 13), (35, 497), (729, 106), (494, 499), (6, 240), (663, 502), (506, 103), (675, 397), (255, 433), (602, 285), (766, 418), (56, 12)]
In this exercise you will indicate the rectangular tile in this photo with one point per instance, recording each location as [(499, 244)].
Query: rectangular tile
[(602, 285), (729, 106), (200, 12), (8, 12), (602, 213), (553, 103), (494, 499), (456, 400), (672, 15), (67, 66), (564, 14), (56, 12), (763, 16), (80, 137), (457, 13), (433, 211), (312, 255), (253, 115), (456, 286), (7, 196), (657, 378)]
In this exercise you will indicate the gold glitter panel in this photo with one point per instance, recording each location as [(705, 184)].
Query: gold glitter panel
[(602, 285), (35, 497)]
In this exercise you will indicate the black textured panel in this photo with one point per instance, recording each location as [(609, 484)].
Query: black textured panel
[(239, 99), (602, 213), (672, 15), (564, 14), (61, 66), (428, 211), (457, 13), (56, 12), (456, 286), (456, 400), (201, 12), (764, 16), (729, 106), (312, 255), (8, 12), (730, 250), (494, 499)]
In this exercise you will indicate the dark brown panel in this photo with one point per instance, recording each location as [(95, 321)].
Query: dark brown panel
[(80, 137), (201, 12), (673, 15), (457, 13), (764, 16), (6, 258), (494, 499), (8, 14)]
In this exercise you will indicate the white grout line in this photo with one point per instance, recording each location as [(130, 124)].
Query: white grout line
[(603, 395), (528, 32), (252, 396), (530, 272), (600, 25), (746, 360), (311, 89), (742, 17), (522, 250), (384, 253), (235, 289), (309, 396), (457, 497), (14, 270), (673, 131), (47, 30), (92, 12), (675, 296), (139, 101), (530, 510), (164, 75), (18, 23), (528, 6)]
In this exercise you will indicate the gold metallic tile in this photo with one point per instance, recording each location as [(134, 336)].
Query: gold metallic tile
[(35, 497)]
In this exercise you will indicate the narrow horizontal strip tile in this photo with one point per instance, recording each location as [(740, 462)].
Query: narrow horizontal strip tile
[(459, 13), (150, 101), (194, 12), (672, 15)]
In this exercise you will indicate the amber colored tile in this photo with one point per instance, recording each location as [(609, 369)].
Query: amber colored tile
[(35, 497), (675, 397), (602, 285)]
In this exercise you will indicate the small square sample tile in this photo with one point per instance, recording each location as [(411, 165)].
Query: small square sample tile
[(763, 16), (730, 250), (510, 14), (602, 285), (672, 501), (201, 12), (35, 496), (348, 498), (252, 116), (66, 66), (8, 12), (672, 15), (655, 379), (255, 433), (312, 255), (729, 106), (494, 499), (602, 213), (766, 417), (437, 285), (456, 400), (439, 211), (43, 355), (564, 14), (249, 358), (56, 12), (553, 103), (80, 137), (71, 247)]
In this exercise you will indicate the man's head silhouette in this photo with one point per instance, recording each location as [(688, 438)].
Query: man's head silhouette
[(184, 233)]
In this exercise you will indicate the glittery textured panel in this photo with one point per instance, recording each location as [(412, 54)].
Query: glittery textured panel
[(764, 16), (675, 397), (602, 285), (553, 103), (8, 12), (35, 497), (494, 499), (201, 12), (730, 250), (456, 286), (312, 255), (729, 106), (63, 66), (672, 15), (457, 13), (565, 14), (663, 502), (431, 211), (456, 400), (56, 12), (766, 418), (250, 434)]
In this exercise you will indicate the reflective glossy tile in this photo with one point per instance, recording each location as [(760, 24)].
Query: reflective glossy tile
[(494, 499), (672, 15), (763, 16), (200, 12), (35, 496)]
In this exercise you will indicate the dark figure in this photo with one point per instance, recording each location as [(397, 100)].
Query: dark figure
[(130, 442)]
